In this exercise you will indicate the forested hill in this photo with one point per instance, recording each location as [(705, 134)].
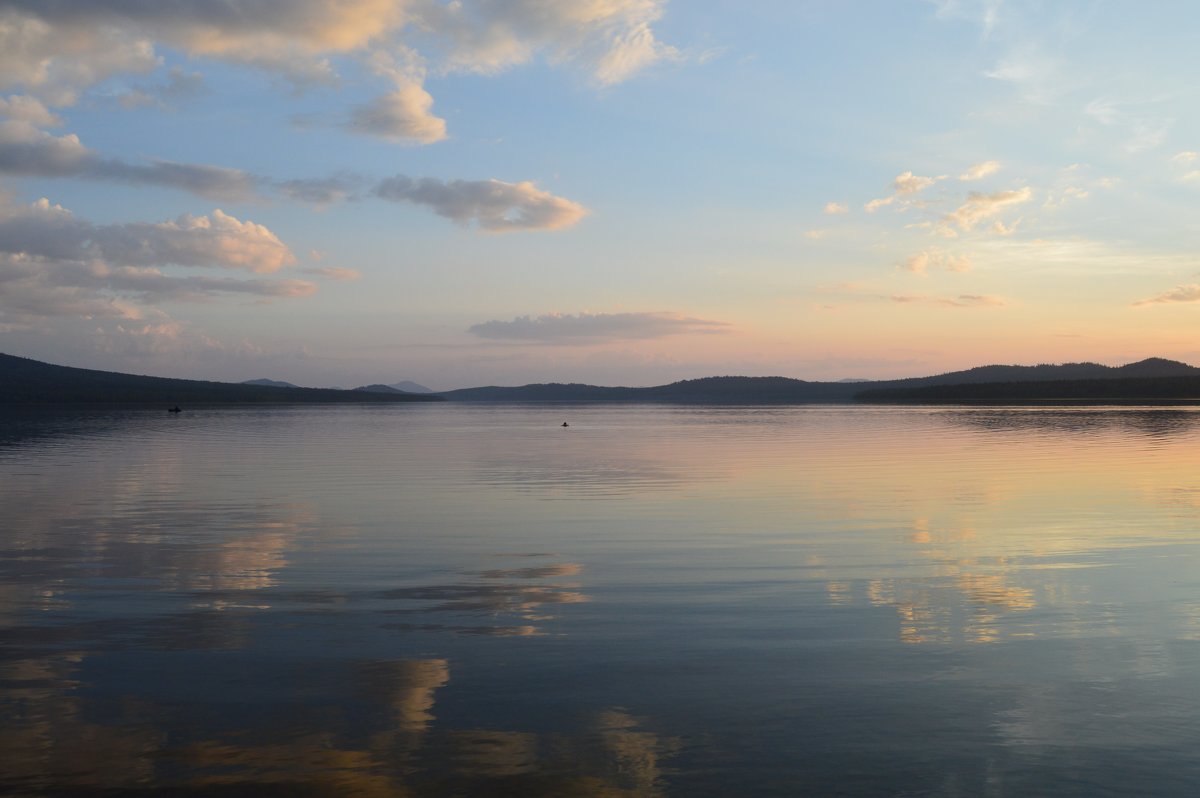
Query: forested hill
[(24, 381), (783, 390), (1141, 390)]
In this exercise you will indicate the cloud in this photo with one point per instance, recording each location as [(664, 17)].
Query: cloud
[(401, 115), (55, 61), (834, 208), (960, 301), (979, 206), (586, 328), (210, 182), (1036, 77), (333, 273), (53, 263), (922, 262), (905, 185), (1148, 130), (179, 86), (319, 191), (49, 231), (492, 205), (1185, 160), (23, 108), (1066, 195), (612, 39), (876, 204), (28, 151), (65, 47), (980, 171), (1180, 293), (56, 49), (908, 183)]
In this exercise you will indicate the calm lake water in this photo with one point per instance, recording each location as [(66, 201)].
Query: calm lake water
[(472, 600)]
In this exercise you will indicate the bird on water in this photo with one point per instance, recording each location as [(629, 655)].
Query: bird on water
[(565, 424)]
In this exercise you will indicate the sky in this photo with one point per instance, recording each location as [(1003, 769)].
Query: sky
[(618, 192)]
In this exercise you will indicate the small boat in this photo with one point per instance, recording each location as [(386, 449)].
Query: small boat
[(565, 424), (174, 409)]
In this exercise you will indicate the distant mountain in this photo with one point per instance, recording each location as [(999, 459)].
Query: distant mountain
[(784, 390), (263, 381), (24, 381), (377, 388), (408, 386)]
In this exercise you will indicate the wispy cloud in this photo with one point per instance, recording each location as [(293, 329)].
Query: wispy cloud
[(337, 273), (588, 328), (979, 206), (834, 208), (1180, 293), (980, 171), (960, 301), (178, 86), (935, 258), (1185, 162), (905, 185)]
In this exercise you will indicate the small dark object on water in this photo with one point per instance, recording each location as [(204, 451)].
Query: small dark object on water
[(174, 409), (565, 424)]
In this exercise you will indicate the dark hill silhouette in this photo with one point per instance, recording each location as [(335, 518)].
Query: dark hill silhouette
[(263, 381), (28, 381), (1154, 379), (1118, 390), (784, 390)]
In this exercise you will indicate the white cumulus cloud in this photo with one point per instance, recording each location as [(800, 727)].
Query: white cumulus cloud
[(53, 263)]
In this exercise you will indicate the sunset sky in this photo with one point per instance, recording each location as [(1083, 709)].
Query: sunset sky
[(338, 192)]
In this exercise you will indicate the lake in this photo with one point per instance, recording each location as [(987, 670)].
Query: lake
[(654, 601)]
